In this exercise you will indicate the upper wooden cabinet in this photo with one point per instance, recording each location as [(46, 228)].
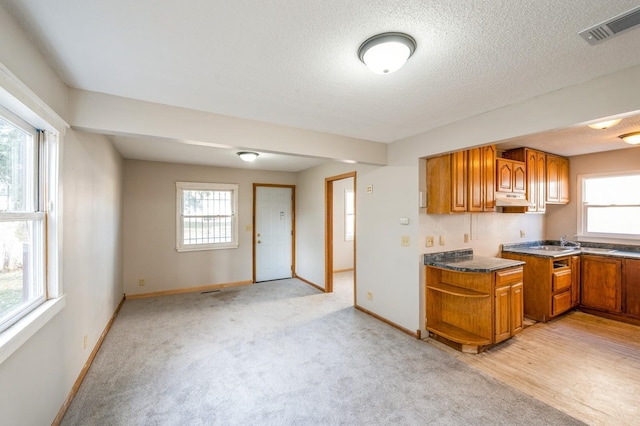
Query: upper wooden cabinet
[(511, 176), (557, 179), (447, 183), (481, 178), (536, 187)]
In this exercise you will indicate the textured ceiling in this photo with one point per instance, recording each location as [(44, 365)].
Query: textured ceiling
[(295, 63)]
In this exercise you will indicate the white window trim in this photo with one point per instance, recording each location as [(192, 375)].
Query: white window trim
[(17, 98), (581, 232), (204, 186)]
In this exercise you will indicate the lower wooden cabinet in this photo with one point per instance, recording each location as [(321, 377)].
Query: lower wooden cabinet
[(473, 310), (631, 279), (550, 286), (601, 283)]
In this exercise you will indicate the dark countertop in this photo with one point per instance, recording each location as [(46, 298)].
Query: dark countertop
[(611, 250), (466, 261)]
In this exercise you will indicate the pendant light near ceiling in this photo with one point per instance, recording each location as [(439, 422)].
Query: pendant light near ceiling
[(387, 52), (248, 156)]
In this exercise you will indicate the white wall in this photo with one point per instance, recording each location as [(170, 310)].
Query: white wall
[(36, 379), (150, 227), (342, 250), (563, 219)]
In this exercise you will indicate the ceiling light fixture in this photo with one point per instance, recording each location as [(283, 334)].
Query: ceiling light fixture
[(605, 124), (248, 156), (387, 52), (631, 138)]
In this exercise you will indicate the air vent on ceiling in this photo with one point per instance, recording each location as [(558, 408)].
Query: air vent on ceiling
[(612, 27)]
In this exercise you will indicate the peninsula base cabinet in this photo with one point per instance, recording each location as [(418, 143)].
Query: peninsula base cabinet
[(472, 311), (611, 287)]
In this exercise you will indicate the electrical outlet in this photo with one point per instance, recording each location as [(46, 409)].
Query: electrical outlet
[(248, 228), (369, 189), (441, 240), (430, 241), (405, 241), (522, 233), (369, 295), (85, 341), (141, 282), (466, 238)]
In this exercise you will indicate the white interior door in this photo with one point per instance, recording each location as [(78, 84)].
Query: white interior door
[(273, 233)]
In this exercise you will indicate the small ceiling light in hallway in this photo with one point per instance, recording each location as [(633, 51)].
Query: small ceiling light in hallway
[(631, 138), (248, 156), (387, 52)]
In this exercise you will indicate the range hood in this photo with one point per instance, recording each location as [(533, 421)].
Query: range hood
[(504, 199)]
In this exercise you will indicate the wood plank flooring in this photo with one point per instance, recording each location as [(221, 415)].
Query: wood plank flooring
[(586, 366)]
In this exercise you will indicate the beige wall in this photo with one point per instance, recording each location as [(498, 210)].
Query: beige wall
[(562, 220), (37, 378), (150, 227)]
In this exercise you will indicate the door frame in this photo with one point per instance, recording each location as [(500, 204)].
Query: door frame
[(328, 231), (293, 225)]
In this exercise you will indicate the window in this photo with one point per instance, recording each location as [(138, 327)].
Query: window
[(22, 221), (610, 205), (349, 215), (206, 216)]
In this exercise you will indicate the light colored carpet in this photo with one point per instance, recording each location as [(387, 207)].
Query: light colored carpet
[(282, 353)]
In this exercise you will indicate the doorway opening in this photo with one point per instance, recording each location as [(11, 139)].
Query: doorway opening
[(273, 232), (340, 231)]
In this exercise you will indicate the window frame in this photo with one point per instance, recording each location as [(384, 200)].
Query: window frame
[(205, 186), (33, 213), (582, 208)]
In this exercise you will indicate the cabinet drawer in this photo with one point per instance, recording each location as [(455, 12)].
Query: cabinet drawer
[(509, 276), (560, 280), (561, 303)]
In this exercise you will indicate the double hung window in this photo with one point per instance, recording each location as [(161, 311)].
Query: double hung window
[(22, 220), (610, 205), (207, 216)]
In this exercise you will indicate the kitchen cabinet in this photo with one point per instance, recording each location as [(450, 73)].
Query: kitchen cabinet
[(511, 176), (601, 283), (447, 183), (548, 284), (557, 169), (536, 179), (631, 280), (575, 281), (481, 179), (473, 310)]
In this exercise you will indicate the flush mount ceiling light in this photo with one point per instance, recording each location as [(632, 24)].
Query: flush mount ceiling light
[(387, 52), (605, 124), (248, 156), (631, 138)]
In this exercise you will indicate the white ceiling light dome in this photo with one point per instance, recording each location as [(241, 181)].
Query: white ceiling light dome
[(387, 52)]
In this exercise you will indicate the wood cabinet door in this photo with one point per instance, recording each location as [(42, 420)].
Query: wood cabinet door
[(475, 184), (553, 179), (517, 308), (601, 283), (502, 314), (564, 180), (489, 177), (504, 175), (632, 287), (519, 178), (459, 181), (541, 176)]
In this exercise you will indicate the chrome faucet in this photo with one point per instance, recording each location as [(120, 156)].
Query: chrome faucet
[(564, 242)]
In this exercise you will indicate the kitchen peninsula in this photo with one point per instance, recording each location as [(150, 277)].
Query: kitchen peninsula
[(472, 302)]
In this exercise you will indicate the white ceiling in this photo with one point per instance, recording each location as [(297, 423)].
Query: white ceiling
[(295, 63)]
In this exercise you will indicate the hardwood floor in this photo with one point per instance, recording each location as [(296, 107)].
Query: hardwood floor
[(586, 366)]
